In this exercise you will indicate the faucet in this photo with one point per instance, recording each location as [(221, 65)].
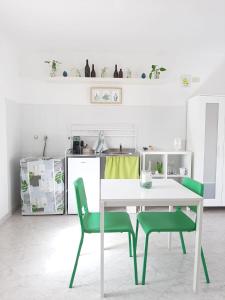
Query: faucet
[(121, 148)]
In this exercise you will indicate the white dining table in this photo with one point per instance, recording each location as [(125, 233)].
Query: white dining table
[(164, 192)]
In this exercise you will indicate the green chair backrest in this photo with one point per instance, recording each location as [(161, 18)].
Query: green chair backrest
[(82, 206), (195, 186)]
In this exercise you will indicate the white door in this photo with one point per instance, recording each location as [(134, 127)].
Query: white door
[(89, 169)]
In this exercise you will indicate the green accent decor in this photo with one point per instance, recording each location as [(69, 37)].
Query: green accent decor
[(23, 186), (122, 167), (159, 167), (90, 223), (53, 63), (176, 221), (59, 177), (156, 71)]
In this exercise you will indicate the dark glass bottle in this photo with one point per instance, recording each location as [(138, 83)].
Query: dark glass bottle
[(116, 74), (87, 69), (120, 73), (93, 74)]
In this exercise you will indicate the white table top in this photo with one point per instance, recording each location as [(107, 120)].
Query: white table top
[(128, 192)]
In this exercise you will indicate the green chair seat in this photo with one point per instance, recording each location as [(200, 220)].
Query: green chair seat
[(113, 221), (165, 222)]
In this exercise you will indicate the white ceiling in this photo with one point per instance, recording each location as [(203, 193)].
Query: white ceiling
[(160, 26)]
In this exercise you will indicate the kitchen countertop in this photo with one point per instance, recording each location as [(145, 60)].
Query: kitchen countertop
[(134, 152)]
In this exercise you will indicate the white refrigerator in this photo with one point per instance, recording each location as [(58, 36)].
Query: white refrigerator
[(89, 169)]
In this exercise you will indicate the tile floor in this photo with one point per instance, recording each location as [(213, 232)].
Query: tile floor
[(37, 256)]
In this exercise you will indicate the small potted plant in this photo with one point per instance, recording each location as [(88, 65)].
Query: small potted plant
[(159, 167), (53, 64), (156, 71)]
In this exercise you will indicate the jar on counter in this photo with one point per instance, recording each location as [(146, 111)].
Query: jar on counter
[(146, 179)]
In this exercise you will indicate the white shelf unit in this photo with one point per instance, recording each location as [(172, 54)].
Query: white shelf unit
[(172, 162), (107, 80)]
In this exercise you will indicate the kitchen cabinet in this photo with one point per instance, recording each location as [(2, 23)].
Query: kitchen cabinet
[(89, 169), (205, 138)]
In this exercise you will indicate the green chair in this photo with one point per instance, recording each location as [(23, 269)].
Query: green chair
[(90, 223), (176, 221)]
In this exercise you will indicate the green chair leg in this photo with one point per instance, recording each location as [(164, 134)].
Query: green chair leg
[(135, 258), (182, 243), (130, 245), (76, 262), (137, 226), (205, 266), (145, 259)]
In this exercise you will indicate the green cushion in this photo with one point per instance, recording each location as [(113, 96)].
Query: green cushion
[(165, 222), (114, 222)]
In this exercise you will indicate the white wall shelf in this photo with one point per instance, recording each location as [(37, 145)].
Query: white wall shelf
[(100, 80), (158, 176)]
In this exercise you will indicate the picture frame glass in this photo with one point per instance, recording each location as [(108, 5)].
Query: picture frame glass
[(106, 95)]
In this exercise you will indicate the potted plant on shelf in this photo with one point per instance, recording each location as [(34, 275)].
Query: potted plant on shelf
[(156, 71), (159, 167), (53, 63)]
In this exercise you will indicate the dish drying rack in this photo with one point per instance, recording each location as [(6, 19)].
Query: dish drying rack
[(124, 133)]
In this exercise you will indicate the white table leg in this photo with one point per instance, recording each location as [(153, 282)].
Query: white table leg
[(170, 234), (198, 238), (102, 208)]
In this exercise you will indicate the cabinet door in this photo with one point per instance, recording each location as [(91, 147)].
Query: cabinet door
[(205, 138), (213, 155), (89, 169)]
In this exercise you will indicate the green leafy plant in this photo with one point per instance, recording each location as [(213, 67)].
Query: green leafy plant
[(159, 167), (53, 63), (156, 71)]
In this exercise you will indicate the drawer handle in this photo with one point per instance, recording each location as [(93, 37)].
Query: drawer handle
[(83, 162)]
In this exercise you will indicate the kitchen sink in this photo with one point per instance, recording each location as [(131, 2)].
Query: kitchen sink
[(117, 151)]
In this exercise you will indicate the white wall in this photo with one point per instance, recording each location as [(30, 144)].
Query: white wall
[(156, 126), (215, 83), (158, 110), (4, 209), (13, 111), (37, 89), (8, 90)]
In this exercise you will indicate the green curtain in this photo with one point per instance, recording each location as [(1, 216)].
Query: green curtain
[(122, 167)]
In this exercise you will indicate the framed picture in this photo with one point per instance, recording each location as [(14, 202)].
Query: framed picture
[(106, 95)]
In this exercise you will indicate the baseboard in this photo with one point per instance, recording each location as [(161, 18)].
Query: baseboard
[(5, 218)]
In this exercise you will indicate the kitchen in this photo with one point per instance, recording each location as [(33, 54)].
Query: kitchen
[(185, 106)]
